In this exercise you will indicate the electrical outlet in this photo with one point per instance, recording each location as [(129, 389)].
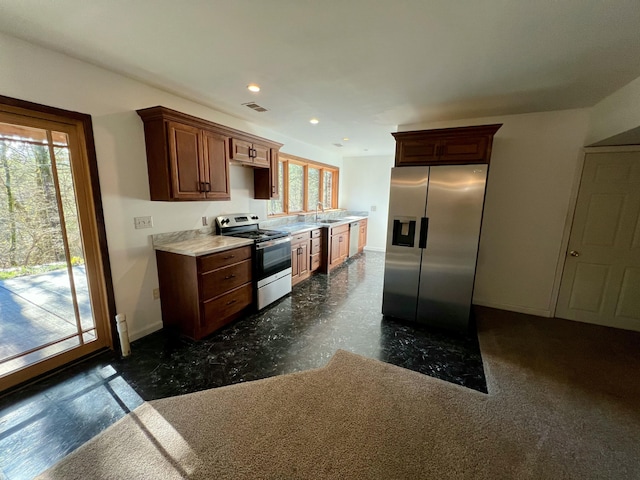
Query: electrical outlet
[(142, 222), (156, 293), (373, 208), (204, 221)]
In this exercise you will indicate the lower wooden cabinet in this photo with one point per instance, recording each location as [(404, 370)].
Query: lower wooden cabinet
[(307, 254), (338, 242), (199, 295), (300, 257), (362, 238), (316, 250)]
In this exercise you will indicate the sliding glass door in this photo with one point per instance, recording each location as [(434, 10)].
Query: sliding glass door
[(52, 286)]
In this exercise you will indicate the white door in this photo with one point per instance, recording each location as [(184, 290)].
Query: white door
[(601, 279)]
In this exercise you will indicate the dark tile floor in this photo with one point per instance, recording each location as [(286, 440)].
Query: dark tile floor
[(41, 423)]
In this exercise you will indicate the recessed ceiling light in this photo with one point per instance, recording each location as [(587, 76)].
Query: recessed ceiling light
[(345, 139), (253, 88), (314, 121)]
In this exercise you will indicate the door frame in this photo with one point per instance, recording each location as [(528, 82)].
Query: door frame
[(30, 109), (568, 224)]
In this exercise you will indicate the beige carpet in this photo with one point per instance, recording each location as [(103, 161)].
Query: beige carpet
[(564, 402)]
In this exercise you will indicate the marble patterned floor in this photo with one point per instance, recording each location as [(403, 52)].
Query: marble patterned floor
[(41, 423)]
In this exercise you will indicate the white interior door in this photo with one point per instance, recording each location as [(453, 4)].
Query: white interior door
[(601, 279)]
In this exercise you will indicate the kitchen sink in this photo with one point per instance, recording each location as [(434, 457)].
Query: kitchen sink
[(331, 221)]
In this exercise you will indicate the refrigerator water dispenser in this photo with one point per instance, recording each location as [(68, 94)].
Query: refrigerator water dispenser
[(404, 232)]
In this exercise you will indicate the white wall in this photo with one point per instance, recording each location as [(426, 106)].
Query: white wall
[(366, 182), (38, 75), (533, 166), (615, 114)]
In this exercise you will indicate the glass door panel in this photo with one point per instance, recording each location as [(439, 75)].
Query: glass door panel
[(45, 304)]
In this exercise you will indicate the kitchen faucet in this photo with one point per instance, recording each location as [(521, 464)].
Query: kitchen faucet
[(322, 207)]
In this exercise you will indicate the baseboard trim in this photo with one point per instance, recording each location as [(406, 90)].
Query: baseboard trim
[(635, 327), (154, 327), (374, 249), (515, 308)]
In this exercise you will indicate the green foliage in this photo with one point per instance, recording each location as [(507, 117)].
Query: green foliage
[(35, 270), (30, 219)]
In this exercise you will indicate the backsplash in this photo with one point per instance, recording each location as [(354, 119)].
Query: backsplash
[(310, 217), (172, 237)]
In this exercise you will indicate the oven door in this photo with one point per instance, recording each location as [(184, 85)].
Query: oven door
[(272, 257)]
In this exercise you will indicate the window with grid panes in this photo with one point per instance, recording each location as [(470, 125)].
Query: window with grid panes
[(304, 184)]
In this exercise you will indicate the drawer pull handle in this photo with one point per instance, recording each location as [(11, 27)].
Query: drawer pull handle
[(229, 257), (229, 277), (231, 301)]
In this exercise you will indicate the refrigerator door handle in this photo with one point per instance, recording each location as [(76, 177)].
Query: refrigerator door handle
[(424, 230)]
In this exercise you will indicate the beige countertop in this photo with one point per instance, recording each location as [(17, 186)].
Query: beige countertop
[(204, 245), (295, 228)]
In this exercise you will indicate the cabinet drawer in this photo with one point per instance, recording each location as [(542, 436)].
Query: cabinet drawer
[(316, 233), (340, 229), (301, 237), (222, 280), (315, 262), (316, 245), (222, 259), (216, 311)]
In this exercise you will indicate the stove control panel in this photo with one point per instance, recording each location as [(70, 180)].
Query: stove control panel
[(237, 220)]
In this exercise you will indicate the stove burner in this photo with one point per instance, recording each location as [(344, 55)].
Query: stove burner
[(245, 225), (259, 235)]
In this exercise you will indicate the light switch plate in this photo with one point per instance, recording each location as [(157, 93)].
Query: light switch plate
[(142, 222), (373, 208)]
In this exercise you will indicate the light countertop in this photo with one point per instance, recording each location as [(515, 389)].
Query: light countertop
[(204, 245), (295, 228)]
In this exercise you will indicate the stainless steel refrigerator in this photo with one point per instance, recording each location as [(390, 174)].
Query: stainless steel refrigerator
[(435, 214)]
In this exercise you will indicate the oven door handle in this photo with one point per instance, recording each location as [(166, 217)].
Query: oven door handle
[(271, 243)]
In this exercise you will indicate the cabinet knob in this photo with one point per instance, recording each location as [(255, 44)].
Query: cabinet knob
[(573, 253)]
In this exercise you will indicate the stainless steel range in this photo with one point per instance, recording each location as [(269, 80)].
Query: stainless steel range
[(271, 255)]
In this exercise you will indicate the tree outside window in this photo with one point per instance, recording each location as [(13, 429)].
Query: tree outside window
[(304, 184)]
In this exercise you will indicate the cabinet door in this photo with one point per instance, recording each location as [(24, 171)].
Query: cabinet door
[(416, 152), (185, 152), (343, 242), (472, 149), (274, 172), (303, 258), (261, 155), (334, 250), (241, 151), (362, 239), (295, 268), (216, 166)]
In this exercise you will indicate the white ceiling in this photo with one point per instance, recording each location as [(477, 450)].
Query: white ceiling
[(360, 66)]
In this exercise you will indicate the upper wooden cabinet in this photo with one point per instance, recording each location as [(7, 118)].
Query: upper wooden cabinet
[(188, 157), (266, 182), (445, 146), (250, 153)]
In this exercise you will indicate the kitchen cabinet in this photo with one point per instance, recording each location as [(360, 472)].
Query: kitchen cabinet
[(250, 152), (338, 242), (315, 250), (362, 237), (266, 182), (185, 160), (300, 257), (201, 294), (188, 157), (445, 146)]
